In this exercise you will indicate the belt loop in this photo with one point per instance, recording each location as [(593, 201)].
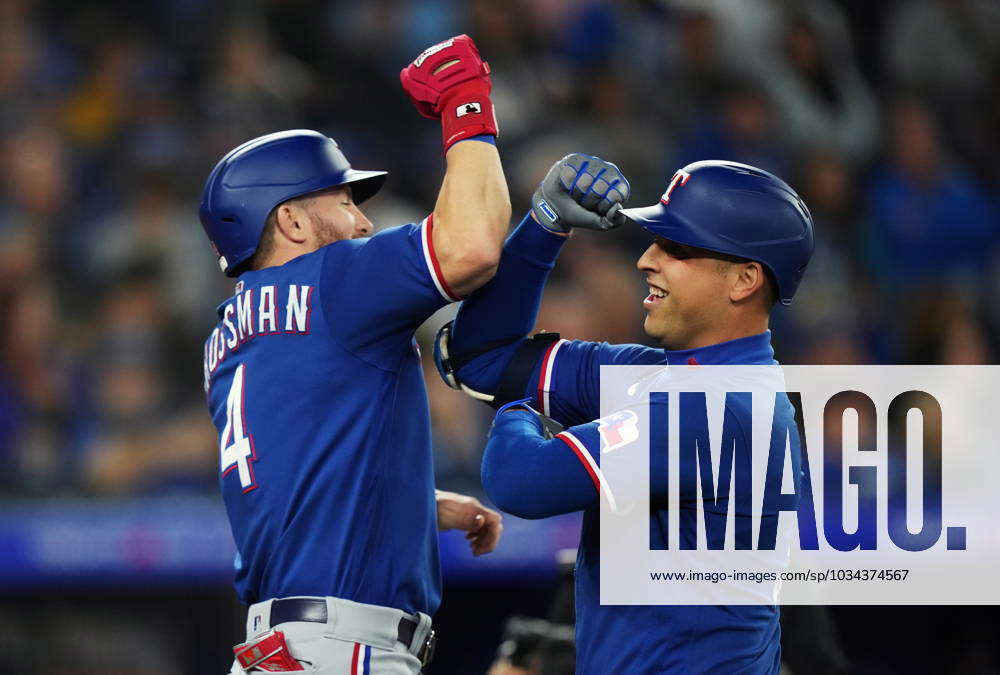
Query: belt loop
[(331, 617), (421, 634)]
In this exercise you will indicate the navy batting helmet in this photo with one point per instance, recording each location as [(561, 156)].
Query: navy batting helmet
[(738, 210), (255, 177)]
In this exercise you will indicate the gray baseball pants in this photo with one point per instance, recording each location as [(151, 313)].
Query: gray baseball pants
[(357, 639)]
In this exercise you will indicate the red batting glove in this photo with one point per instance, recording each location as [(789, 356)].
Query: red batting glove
[(451, 82)]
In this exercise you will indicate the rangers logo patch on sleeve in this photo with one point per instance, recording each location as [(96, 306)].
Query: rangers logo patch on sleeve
[(618, 430)]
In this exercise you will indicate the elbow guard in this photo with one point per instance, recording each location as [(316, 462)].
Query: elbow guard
[(513, 382), (448, 364)]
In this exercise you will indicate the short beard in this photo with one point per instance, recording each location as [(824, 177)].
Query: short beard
[(326, 232)]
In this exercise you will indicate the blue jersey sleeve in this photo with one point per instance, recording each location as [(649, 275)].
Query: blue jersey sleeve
[(530, 476), (377, 293), (565, 383), (507, 305)]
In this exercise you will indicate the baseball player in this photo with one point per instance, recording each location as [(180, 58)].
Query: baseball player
[(314, 381), (730, 241)]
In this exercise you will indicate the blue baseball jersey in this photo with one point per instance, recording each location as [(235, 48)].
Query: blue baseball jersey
[(315, 385), (534, 478), (632, 639)]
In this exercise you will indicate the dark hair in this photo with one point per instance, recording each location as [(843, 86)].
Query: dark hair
[(770, 285), (266, 244), (770, 289), (268, 237)]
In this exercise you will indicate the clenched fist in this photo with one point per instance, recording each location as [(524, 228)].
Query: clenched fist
[(451, 82), (580, 191)]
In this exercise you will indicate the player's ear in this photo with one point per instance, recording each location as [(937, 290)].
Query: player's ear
[(291, 221), (746, 279)]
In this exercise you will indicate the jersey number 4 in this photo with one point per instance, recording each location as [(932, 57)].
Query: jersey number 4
[(235, 445)]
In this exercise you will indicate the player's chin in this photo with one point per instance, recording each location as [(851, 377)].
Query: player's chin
[(651, 326)]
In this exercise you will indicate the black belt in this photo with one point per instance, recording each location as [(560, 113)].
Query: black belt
[(313, 610)]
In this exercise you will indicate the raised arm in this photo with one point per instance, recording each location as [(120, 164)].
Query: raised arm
[(579, 191), (450, 82), (471, 216)]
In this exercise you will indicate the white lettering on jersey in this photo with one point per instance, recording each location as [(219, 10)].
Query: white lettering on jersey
[(220, 342), (235, 444), (238, 325), (204, 362), (213, 355), (267, 312), (244, 315), (297, 310), (227, 318)]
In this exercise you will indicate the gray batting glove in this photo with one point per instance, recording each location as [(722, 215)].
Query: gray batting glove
[(580, 191)]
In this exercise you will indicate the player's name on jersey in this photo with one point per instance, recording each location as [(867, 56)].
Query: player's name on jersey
[(256, 312)]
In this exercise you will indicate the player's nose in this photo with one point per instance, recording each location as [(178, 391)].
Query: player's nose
[(362, 225), (646, 263)]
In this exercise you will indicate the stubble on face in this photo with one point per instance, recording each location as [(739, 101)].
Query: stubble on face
[(326, 228)]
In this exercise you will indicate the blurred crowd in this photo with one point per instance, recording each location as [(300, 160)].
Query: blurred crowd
[(885, 117)]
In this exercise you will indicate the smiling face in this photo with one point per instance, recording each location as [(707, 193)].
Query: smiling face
[(698, 297)]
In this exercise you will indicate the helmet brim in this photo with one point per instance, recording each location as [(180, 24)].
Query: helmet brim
[(659, 222), (364, 184), (643, 216)]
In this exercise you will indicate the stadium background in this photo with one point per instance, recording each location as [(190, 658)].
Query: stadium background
[(114, 552)]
